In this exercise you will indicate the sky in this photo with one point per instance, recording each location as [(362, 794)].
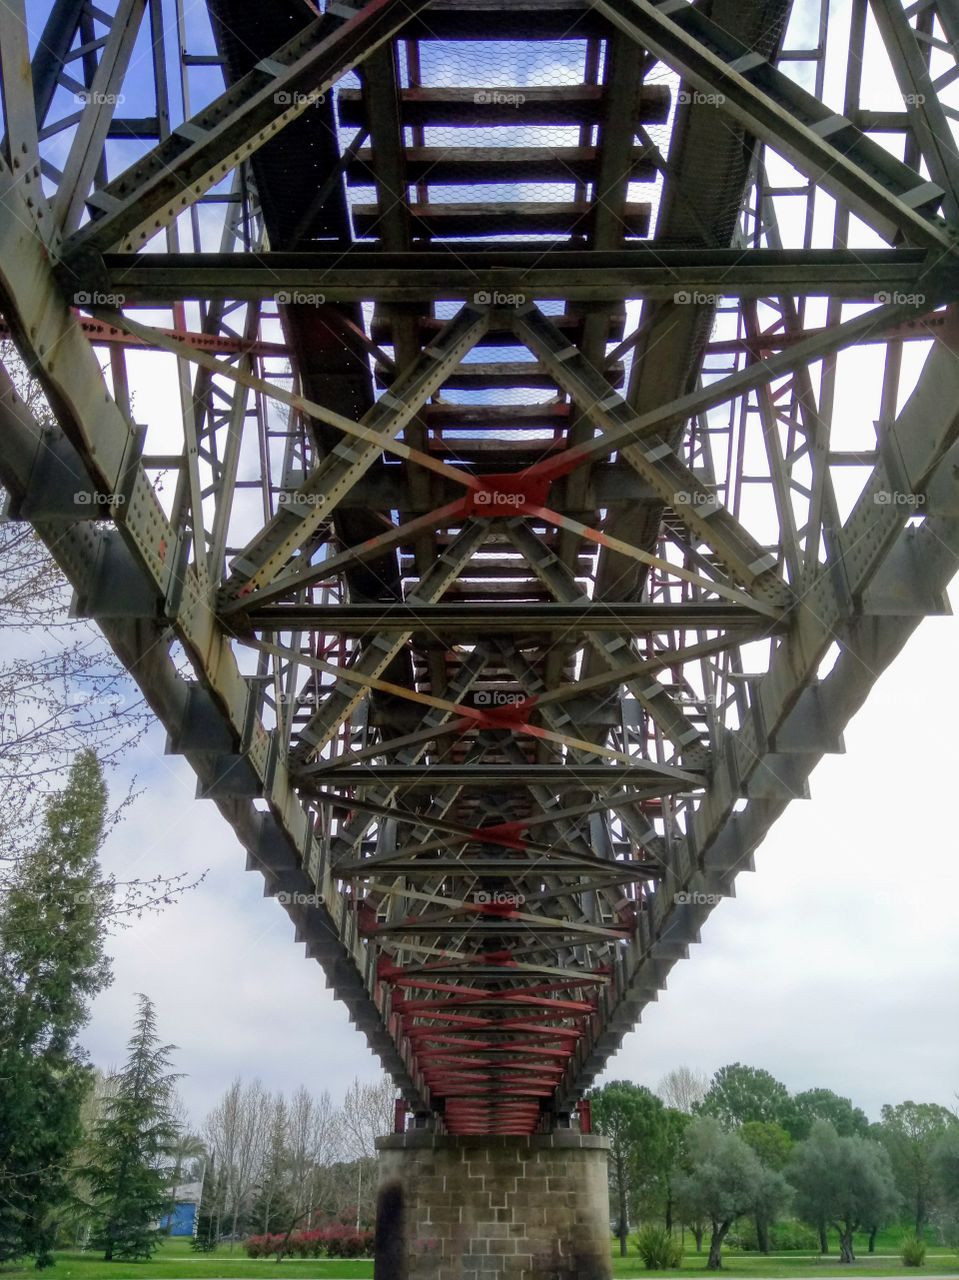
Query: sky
[(837, 964)]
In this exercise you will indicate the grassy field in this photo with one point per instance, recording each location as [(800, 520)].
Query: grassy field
[(176, 1261)]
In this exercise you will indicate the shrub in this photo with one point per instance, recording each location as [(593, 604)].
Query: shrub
[(658, 1248), (912, 1251), (742, 1236), (793, 1235)]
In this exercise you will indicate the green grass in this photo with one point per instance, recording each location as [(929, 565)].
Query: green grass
[(784, 1267), (175, 1260)]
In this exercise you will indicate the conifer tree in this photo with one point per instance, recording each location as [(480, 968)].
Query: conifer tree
[(52, 924), (126, 1172)]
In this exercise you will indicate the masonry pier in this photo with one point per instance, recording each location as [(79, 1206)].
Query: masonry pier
[(492, 1208)]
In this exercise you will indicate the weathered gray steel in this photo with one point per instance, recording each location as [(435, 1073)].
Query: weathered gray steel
[(503, 728)]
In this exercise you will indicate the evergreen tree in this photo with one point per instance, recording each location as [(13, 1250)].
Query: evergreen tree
[(52, 924), (126, 1173), (206, 1236)]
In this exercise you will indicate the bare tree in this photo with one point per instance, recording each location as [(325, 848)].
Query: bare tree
[(367, 1114), (683, 1088), (313, 1138), (235, 1132), (272, 1176), (62, 688)]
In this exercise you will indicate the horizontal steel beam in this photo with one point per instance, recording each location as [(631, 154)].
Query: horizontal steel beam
[(621, 617), (589, 776), (665, 274)]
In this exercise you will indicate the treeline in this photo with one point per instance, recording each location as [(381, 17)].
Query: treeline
[(95, 1160), (734, 1155), (272, 1166)]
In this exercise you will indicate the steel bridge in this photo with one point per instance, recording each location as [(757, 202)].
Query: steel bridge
[(504, 441)]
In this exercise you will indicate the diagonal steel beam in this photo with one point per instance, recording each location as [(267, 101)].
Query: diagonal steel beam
[(165, 341), (825, 146), (202, 151), (658, 464), (923, 106), (296, 579), (471, 668), (86, 149), (381, 651), (561, 584), (634, 821), (20, 145)]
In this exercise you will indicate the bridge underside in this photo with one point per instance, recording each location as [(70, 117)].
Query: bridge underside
[(505, 442)]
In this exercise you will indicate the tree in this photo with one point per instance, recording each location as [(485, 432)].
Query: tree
[(236, 1133), (726, 1180), (683, 1089), (737, 1094), (367, 1114), (772, 1145), (51, 966), (131, 1142), (206, 1237), (911, 1132), (62, 690), (270, 1204), (945, 1160), (633, 1119), (312, 1139), (675, 1124), (823, 1104), (847, 1182)]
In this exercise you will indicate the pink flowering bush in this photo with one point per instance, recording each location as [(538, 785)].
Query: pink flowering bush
[(336, 1241)]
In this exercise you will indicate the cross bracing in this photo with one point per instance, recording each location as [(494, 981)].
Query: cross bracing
[(504, 441)]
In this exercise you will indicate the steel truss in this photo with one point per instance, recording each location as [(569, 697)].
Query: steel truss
[(522, 551)]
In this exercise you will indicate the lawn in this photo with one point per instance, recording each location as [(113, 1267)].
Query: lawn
[(176, 1261)]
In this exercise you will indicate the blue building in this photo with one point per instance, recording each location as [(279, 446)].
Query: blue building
[(187, 1202)]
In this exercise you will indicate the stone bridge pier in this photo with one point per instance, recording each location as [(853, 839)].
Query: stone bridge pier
[(492, 1208)]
